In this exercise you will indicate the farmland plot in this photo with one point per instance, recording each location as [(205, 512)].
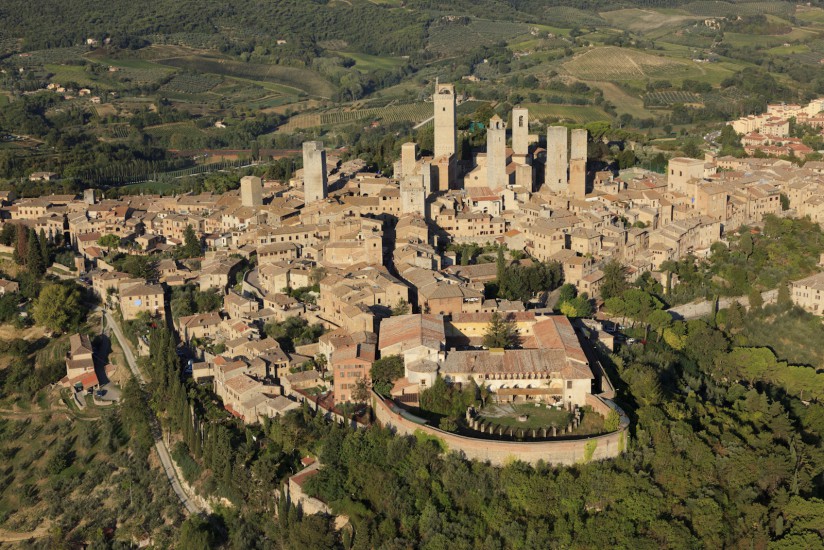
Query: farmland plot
[(613, 63)]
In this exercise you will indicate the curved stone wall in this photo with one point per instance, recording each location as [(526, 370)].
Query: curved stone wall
[(499, 453)]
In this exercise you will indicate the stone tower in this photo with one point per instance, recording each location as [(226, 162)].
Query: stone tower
[(409, 158), (578, 164), (413, 195), (251, 191), (555, 178), (314, 172), (496, 177), (444, 100), (520, 134)]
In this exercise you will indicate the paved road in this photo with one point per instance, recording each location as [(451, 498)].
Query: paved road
[(160, 445), (696, 310)]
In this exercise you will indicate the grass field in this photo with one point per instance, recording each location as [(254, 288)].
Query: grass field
[(810, 14), (296, 78), (568, 17), (624, 102), (579, 114), (365, 62), (751, 41), (645, 21), (75, 73), (183, 129), (789, 50), (613, 63)]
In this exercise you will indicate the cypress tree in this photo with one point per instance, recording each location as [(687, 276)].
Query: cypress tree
[(21, 251), (34, 259), (45, 249)]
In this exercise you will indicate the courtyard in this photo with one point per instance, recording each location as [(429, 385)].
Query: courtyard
[(538, 415)]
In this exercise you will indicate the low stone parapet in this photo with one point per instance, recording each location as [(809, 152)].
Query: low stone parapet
[(499, 453)]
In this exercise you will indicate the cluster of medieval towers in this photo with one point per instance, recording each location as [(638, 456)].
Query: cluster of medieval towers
[(498, 168)]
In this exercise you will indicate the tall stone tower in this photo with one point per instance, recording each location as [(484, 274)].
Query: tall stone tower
[(251, 191), (578, 164), (555, 178), (409, 157), (520, 135), (413, 195), (314, 171), (444, 100), (496, 177)]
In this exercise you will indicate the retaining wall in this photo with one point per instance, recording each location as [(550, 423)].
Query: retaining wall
[(499, 453)]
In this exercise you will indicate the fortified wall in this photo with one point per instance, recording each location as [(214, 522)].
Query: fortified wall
[(564, 452)]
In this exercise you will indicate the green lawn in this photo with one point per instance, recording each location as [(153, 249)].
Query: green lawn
[(537, 416)]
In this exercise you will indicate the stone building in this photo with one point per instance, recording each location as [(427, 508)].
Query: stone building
[(314, 172)]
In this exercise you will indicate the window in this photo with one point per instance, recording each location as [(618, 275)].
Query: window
[(569, 384)]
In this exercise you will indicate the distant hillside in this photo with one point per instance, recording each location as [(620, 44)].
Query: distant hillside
[(394, 28)]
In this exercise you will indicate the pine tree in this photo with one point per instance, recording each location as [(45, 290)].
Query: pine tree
[(501, 333), (191, 244)]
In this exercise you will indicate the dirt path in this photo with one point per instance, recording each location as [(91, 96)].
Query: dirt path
[(12, 536)]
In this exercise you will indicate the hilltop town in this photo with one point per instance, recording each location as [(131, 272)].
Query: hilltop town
[(498, 275), (365, 257)]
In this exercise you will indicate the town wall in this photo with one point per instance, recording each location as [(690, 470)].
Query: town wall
[(499, 453)]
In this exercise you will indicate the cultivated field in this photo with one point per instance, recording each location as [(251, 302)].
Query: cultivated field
[(613, 63), (667, 98), (645, 21), (447, 39), (711, 8), (579, 114), (300, 79), (192, 83)]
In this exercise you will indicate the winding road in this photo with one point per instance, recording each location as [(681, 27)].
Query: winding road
[(160, 445)]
